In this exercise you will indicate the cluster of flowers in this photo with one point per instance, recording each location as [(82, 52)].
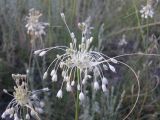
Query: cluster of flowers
[(23, 98), (25, 101), (34, 27), (79, 63), (148, 10)]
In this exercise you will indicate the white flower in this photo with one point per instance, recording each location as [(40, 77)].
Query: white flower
[(112, 68), (104, 88), (54, 78), (42, 103), (45, 89), (28, 117), (34, 27), (53, 72), (79, 62), (62, 15), (63, 73), (59, 94), (81, 96), (37, 52), (114, 60), (104, 81), (32, 113), (78, 87), (16, 117), (72, 83), (68, 87), (3, 115), (42, 53), (147, 11), (23, 99), (84, 81), (5, 91), (45, 75), (105, 67), (39, 110), (96, 85)]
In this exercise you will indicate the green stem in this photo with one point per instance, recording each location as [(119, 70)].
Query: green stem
[(77, 106), (49, 21), (77, 98), (138, 20), (147, 39)]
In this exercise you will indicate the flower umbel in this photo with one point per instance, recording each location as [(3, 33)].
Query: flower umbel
[(79, 60), (23, 99), (147, 11), (34, 27)]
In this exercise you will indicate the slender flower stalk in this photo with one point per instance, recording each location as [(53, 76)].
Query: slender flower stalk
[(36, 31), (23, 99)]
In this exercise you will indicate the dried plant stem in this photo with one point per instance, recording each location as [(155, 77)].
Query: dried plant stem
[(142, 104), (135, 74), (138, 93), (132, 54), (133, 28)]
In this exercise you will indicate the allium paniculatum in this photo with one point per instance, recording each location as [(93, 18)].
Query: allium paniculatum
[(24, 101), (148, 10), (79, 63), (35, 28)]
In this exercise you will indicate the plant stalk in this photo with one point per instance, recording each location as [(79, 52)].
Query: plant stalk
[(77, 98)]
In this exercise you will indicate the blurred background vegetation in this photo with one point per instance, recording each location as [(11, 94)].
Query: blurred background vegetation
[(118, 29)]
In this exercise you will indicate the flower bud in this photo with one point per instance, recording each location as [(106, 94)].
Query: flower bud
[(104, 81), (42, 53), (78, 87), (53, 72), (112, 68), (63, 16), (68, 87), (59, 94), (45, 75), (72, 83), (54, 78), (104, 88), (28, 117), (81, 96), (96, 85), (37, 52)]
